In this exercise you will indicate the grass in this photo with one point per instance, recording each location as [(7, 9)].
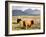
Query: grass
[(16, 26), (28, 28)]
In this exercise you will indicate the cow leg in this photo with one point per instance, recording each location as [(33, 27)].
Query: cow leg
[(26, 27)]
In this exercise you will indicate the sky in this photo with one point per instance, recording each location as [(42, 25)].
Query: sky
[(24, 8)]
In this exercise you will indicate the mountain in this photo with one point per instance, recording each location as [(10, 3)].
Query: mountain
[(17, 12), (36, 12), (32, 12), (28, 11), (25, 12)]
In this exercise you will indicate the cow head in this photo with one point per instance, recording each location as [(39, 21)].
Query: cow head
[(18, 20)]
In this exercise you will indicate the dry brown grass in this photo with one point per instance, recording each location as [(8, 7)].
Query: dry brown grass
[(16, 26)]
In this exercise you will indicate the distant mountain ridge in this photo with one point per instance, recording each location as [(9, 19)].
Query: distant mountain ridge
[(25, 12)]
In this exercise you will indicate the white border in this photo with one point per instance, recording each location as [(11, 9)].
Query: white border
[(24, 31)]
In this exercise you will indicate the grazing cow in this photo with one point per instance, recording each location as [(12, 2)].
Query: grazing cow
[(20, 22), (25, 23)]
